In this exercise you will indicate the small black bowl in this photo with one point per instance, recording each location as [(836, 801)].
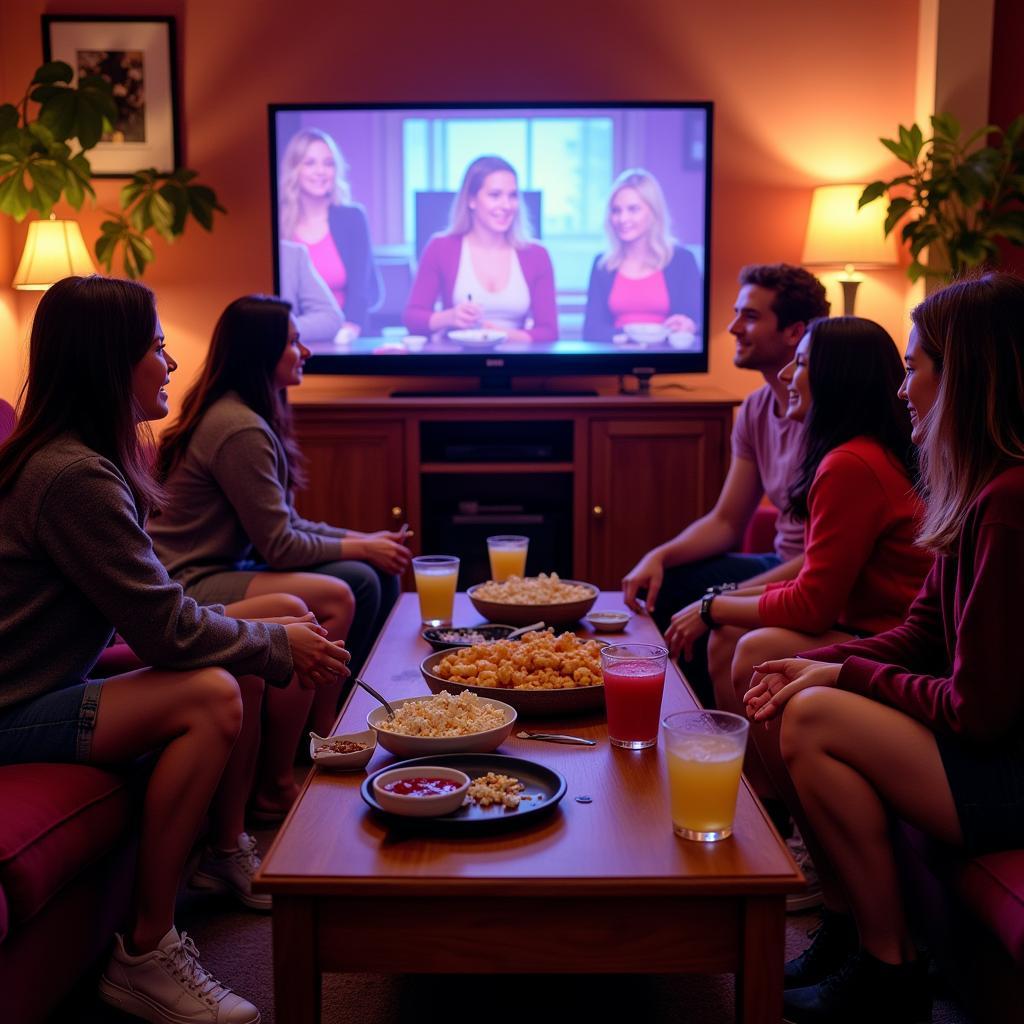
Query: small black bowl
[(441, 638)]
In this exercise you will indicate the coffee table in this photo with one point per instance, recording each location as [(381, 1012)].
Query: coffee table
[(595, 887)]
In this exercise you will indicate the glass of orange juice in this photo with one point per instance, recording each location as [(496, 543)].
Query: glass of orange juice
[(508, 556), (704, 751), (436, 579)]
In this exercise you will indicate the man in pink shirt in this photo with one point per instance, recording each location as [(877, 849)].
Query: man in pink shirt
[(774, 305)]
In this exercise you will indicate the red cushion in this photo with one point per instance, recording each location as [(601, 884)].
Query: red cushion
[(993, 888), (759, 536), (116, 659), (54, 820)]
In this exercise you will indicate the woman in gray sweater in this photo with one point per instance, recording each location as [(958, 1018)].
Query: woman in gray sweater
[(76, 564), (229, 528)]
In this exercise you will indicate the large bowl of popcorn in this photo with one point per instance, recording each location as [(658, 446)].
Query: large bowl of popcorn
[(539, 674), (521, 601)]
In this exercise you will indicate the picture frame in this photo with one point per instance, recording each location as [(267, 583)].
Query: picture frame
[(138, 56)]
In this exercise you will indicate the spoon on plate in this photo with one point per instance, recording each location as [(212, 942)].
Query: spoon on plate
[(373, 693), (556, 737), (524, 629)]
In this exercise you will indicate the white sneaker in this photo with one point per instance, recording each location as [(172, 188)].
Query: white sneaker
[(170, 986), (232, 873), (811, 897)]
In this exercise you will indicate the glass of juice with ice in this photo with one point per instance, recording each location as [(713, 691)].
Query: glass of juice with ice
[(634, 678), (704, 751), (508, 556), (436, 579)]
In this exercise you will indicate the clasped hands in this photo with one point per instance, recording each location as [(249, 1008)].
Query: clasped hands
[(774, 682), (317, 661)]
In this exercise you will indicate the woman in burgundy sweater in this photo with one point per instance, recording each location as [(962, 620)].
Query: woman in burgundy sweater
[(925, 720), (861, 568)]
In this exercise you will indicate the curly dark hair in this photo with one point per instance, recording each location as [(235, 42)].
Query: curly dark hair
[(799, 295)]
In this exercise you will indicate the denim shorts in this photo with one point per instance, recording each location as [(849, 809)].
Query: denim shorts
[(56, 727)]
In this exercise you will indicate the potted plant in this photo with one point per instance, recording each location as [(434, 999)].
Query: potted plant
[(39, 167), (959, 196)]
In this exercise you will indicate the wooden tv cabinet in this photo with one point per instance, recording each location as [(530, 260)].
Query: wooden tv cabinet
[(637, 468)]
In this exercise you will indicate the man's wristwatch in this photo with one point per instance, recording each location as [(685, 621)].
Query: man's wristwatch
[(705, 609), (723, 588)]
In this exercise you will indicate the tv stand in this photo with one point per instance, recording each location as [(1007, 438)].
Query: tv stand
[(626, 474), (498, 385)]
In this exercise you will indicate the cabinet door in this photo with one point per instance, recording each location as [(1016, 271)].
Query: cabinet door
[(356, 472), (648, 479)]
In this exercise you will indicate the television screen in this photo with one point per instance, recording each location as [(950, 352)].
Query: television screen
[(551, 239)]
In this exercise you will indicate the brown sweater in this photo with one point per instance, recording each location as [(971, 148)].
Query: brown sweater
[(75, 564), (228, 502)]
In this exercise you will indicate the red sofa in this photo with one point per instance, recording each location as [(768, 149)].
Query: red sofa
[(970, 912)]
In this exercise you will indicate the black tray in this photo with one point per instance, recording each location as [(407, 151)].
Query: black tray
[(489, 632), (539, 780)]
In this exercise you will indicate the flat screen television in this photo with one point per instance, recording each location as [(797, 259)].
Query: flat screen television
[(495, 239)]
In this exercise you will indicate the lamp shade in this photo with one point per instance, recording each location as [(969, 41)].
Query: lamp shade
[(54, 249), (839, 234)]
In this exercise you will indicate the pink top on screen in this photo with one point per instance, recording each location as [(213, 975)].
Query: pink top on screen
[(330, 266), (639, 300)]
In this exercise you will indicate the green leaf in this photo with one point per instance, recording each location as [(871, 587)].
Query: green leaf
[(54, 71), (14, 197), (915, 271), (59, 114), (898, 150), (897, 209), (874, 191), (946, 126), (1009, 225), (916, 137), (202, 201), (104, 248), (177, 196), (48, 180), (8, 118), (138, 254)]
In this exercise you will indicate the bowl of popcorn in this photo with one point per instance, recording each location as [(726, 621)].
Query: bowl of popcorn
[(541, 673), (523, 600), (445, 723)]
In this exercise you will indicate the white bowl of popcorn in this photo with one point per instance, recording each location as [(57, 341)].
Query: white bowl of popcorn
[(523, 601), (443, 723)]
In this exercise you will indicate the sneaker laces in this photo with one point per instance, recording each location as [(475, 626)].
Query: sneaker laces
[(837, 983), (184, 961)]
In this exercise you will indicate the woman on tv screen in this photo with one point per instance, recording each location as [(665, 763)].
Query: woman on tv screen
[(645, 276), (484, 268), (317, 210)]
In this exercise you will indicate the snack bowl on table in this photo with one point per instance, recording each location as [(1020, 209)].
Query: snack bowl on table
[(645, 334), (322, 755), (560, 614), (607, 621), (424, 746), (421, 779), (444, 638)]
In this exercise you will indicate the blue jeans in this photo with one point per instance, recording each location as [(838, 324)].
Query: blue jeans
[(685, 584), (56, 727)]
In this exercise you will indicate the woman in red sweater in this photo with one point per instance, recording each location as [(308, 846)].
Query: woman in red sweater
[(925, 720), (861, 568)]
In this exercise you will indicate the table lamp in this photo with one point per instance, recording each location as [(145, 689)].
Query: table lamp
[(840, 235), (54, 249)]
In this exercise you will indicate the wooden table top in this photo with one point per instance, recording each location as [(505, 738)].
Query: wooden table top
[(621, 843)]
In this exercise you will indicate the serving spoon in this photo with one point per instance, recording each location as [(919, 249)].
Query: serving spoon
[(555, 737), (524, 629), (373, 693)]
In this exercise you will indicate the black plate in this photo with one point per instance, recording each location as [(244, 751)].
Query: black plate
[(489, 632), (540, 781)]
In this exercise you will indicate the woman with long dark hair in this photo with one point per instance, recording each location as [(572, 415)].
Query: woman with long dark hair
[(229, 530), (926, 720), (76, 564)]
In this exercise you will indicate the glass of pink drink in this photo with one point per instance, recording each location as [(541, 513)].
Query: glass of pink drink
[(634, 678)]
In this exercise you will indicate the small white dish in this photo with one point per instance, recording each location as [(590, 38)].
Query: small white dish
[(684, 340), (645, 334), (414, 342), (421, 806), (477, 336), (609, 621), (343, 762)]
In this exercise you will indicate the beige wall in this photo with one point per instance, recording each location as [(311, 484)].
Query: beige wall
[(802, 90)]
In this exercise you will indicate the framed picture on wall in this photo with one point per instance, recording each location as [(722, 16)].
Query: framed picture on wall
[(136, 55)]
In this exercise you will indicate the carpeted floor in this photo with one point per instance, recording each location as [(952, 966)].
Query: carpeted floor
[(236, 947)]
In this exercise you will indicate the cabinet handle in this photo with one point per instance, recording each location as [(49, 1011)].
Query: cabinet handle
[(396, 511), (598, 511)]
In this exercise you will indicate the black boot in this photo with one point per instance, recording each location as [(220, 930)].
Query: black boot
[(864, 989), (833, 942)]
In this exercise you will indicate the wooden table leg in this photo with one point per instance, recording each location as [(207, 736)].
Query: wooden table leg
[(759, 971), (297, 973)]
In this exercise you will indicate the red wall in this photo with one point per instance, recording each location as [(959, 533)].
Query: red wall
[(802, 92)]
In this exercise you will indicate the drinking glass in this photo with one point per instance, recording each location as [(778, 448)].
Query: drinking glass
[(634, 679), (436, 579), (508, 556), (704, 751)]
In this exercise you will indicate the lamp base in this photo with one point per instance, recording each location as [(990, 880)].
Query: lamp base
[(849, 294)]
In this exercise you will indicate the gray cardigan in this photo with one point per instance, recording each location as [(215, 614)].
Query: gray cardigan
[(228, 502), (75, 564)]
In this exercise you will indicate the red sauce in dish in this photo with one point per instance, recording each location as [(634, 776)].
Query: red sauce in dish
[(421, 785)]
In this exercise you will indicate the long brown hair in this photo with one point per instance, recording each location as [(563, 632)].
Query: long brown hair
[(973, 331), (247, 344), (87, 336)]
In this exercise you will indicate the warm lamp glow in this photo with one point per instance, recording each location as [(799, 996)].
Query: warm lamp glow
[(838, 234), (54, 249)]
